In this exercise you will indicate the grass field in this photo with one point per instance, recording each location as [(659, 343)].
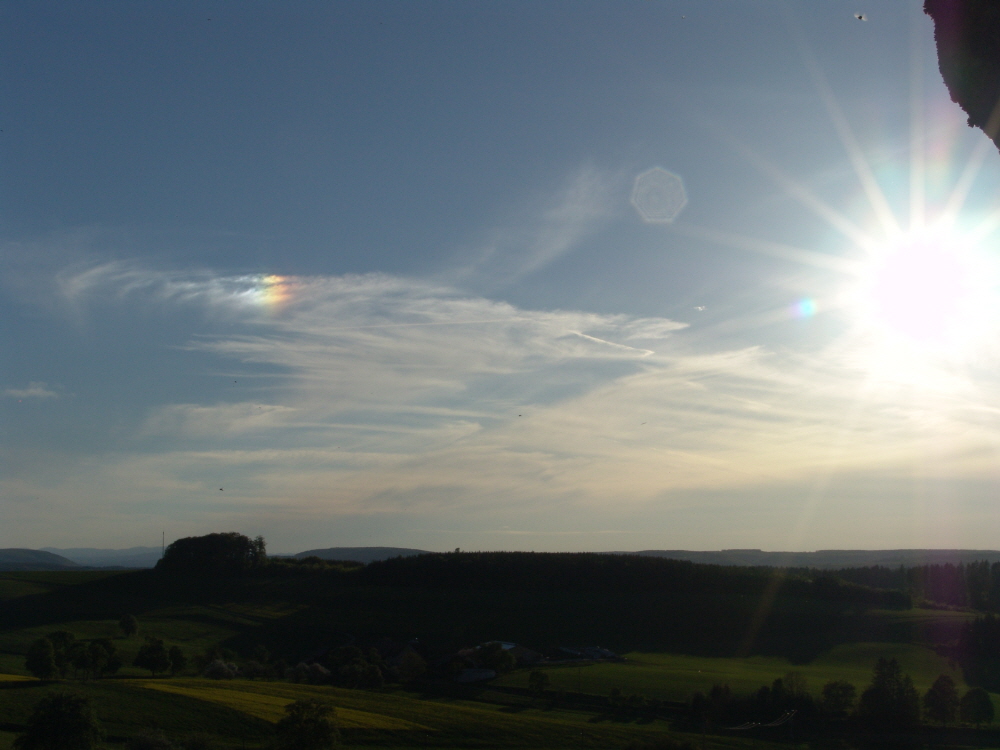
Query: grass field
[(676, 677), (269, 700), (240, 712), (194, 628), (234, 712)]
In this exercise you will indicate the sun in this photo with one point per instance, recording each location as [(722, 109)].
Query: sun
[(930, 294)]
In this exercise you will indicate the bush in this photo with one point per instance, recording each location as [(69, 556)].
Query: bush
[(177, 660), (411, 666), (41, 659), (148, 741), (493, 656), (221, 670), (128, 625), (254, 670), (308, 725), (538, 682), (61, 721), (838, 697), (314, 673)]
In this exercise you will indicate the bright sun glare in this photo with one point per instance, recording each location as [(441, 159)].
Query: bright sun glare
[(928, 294)]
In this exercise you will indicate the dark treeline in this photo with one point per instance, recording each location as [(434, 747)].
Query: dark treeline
[(553, 571), (979, 651), (975, 585), (452, 600)]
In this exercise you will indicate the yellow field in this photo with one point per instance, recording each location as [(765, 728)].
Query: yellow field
[(269, 704), (14, 678)]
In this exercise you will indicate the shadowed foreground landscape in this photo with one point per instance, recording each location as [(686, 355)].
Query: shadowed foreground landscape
[(502, 649)]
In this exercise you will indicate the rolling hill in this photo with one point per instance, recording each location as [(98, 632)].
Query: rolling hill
[(32, 559)]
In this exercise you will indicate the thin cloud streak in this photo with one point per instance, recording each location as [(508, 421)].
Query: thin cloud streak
[(588, 200), (34, 390)]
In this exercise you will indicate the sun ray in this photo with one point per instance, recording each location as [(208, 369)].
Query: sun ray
[(765, 247), (794, 189), (876, 197), (917, 135), (963, 185), (984, 228)]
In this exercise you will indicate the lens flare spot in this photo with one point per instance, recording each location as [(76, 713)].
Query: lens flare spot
[(804, 308)]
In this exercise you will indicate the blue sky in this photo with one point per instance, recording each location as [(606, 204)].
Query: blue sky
[(374, 274)]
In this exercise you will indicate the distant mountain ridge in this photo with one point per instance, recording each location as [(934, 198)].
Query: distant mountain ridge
[(360, 554), (53, 558), (828, 559), (32, 559), (132, 557)]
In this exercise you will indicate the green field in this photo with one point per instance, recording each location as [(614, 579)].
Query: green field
[(676, 677), (295, 617), (238, 711)]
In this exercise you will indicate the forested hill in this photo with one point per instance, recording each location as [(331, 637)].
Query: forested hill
[(359, 554), (32, 559), (553, 571), (828, 559), (448, 600)]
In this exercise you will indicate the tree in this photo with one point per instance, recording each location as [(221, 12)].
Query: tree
[(538, 682), (128, 625), (79, 659), (838, 697), (795, 685), (411, 665), (61, 721), (104, 657), (941, 700), (308, 725), (495, 657), (890, 700), (41, 659), (214, 554), (62, 643), (152, 655), (177, 660), (976, 707)]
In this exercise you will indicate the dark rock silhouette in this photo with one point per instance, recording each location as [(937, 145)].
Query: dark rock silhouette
[(967, 33)]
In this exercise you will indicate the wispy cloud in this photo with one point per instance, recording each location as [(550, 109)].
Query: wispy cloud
[(403, 397), (552, 228), (123, 282), (34, 390)]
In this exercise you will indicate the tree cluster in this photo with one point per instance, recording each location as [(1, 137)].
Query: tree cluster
[(974, 584), (61, 721), (721, 708), (60, 654), (214, 555), (890, 702), (154, 656), (979, 651)]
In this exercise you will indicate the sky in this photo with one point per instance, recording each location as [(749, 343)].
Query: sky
[(509, 275)]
